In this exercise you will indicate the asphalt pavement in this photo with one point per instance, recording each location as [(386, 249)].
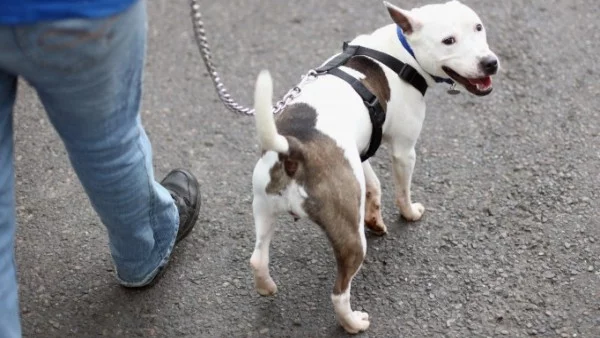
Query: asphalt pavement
[(509, 245)]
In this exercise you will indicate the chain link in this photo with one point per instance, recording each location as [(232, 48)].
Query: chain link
[(224, 96)]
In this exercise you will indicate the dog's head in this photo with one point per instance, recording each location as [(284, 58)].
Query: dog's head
[(449, 40)]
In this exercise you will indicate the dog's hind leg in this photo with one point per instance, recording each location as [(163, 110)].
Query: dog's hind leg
[(373, 219), (404, 163), (350, 253), (264, 219)]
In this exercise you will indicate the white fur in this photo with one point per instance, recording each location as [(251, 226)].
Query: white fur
[(351, 321), (289, 200), (342, 116), (268, 137), (433, 23)]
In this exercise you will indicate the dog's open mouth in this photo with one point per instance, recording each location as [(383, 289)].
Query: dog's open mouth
[(479, 86)]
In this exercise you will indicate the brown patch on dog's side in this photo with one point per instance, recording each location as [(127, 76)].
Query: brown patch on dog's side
[(318, 164), (297, 123), (334, 204), (375, 79)]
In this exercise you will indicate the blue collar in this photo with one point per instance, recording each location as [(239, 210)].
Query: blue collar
[(402, 39)]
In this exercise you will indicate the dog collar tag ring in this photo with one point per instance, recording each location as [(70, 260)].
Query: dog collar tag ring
[(453, 90)]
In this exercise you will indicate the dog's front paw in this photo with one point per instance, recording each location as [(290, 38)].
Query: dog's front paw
[(414, 213), (355, 322)]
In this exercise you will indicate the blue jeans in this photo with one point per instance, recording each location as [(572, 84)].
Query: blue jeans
[(88, 75)]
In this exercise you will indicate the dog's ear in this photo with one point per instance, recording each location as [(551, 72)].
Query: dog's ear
[(403, 18)]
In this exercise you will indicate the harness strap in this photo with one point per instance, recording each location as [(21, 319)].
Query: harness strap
[(405, 71), (347, 53), (376, 112)]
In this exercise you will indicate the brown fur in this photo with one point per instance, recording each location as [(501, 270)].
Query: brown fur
[(375, 79), (334, 204), (373, 219), (279, 179), (317, 163)]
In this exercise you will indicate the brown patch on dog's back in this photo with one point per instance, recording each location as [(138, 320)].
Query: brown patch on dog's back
[(299, 121), (375, 79), (319, 165), (316, 162)]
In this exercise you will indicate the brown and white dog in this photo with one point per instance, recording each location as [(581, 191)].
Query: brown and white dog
[(311, 165)]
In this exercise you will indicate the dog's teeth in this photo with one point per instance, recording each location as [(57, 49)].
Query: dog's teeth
[(482, 87)]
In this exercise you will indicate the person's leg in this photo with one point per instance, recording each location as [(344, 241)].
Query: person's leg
[(88, 75), (9, 305)]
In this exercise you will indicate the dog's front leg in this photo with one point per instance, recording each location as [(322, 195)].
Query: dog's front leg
[(373, 219), (403, 161)]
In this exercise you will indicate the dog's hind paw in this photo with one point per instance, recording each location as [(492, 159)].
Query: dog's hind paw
[(355, 322), (415, 213), (377, 228), (265, 286), (374, 221)]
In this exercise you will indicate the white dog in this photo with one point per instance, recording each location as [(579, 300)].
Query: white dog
[(311, 163)]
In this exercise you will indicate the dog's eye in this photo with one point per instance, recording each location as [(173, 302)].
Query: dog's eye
[(479, 27), (449, 41)]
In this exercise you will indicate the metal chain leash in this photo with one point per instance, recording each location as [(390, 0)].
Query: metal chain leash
[(224, 96)]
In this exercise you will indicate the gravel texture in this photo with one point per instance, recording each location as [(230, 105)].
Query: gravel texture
[(509, 245)]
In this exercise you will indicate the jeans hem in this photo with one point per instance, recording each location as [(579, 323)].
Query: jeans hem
[(161, 265)]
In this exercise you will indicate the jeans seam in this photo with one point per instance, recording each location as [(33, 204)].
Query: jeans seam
[(152, 214)]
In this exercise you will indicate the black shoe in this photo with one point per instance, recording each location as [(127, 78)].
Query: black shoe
[(185, 190)]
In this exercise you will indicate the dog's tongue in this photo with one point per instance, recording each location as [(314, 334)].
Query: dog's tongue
[(484, 82)]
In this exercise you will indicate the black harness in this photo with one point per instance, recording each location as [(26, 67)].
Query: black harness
[(405, 71)]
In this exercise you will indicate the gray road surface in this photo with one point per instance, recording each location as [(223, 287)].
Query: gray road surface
[(509, 245)]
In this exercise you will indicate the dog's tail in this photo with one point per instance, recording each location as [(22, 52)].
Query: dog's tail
[(268, 137)]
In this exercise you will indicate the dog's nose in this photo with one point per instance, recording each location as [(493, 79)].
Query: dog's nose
[(489, 64)]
